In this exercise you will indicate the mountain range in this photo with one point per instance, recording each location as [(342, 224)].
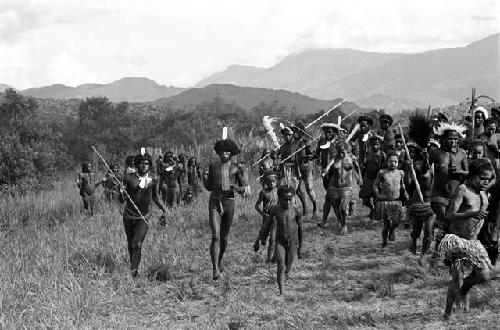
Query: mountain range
[(391, 81), (128, 89), (249, 97)]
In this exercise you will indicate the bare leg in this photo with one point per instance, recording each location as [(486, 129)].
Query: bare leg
[(326, 210), (439, 210), (343, 213), (428, 233), (300, 195), (476, 277), (417, 225), (453, 288), (289, 251), (226, 221), (281, 263), (385, 231), (214, 219)]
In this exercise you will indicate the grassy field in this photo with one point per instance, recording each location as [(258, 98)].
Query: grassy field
[(60, 269)]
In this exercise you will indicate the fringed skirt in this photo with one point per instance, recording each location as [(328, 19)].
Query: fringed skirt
[(470, 254), (420, 211), (389, 210)]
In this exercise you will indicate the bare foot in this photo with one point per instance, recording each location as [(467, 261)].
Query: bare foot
[(216, 275), (321, 224), (466, 301), (446, 316), (343, 231)]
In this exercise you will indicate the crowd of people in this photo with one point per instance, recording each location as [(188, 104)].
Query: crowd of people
[(439, 177)]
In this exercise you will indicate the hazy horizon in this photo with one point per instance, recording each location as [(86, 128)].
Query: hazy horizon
[(178, 44)]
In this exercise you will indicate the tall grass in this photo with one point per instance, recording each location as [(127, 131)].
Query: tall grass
[(62, 269)]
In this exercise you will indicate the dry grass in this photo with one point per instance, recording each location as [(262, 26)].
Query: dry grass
[(60, 269)]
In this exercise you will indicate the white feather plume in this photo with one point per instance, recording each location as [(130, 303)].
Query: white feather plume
[(443, 127), (143, 151), (224, 133), (268, 121)]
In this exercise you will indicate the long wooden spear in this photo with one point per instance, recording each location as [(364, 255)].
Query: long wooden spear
[(124, 191), (412, 170)]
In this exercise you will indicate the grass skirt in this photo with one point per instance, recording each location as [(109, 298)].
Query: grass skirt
[(389, 210), (471, 254)]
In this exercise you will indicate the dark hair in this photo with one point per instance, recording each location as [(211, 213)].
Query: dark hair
[(191, 159), (477, 166), (375, 139), (490, 121), (392, 153), (385, 117), (129, 160), (139, 158), (285, 190), (476, 143), (368, 120), (227, 145)]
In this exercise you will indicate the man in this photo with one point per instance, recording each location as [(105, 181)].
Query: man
[(492, 141), (305, 168), (141, 188), (288, 170), (325, 150), (450, 168), (363, 137), (223, 180), (386, 132)]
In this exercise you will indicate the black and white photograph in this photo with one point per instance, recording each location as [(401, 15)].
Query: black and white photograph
[(264, 164)]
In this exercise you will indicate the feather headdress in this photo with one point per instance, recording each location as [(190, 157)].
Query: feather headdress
[(268, 121), (443, 127), (483, 110), (420, 130)]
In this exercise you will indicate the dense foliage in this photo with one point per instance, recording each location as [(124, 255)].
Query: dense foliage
[(41, 137)]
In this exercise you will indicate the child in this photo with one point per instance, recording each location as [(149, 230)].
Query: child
[(388, 188), (420, 214), (268, 197), (462, 252), (374, 163), (87, 186), (340, 182), (222, 180), (477, 151), (288, 229), (266, 164)]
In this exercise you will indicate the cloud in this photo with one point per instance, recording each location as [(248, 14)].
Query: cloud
[(18, 17), (180, 42), (65, 69)]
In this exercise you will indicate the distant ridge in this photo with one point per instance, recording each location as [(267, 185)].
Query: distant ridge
[(248, 97), (390, 81), (126, 89)]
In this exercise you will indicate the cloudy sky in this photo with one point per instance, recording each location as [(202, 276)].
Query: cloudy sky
[(181, 41)]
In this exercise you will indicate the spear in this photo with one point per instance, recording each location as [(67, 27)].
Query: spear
[(124, 191), (412, 170), (312, 123), (326, 113)]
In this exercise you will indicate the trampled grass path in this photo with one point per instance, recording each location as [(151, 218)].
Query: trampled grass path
[(60, 269)]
